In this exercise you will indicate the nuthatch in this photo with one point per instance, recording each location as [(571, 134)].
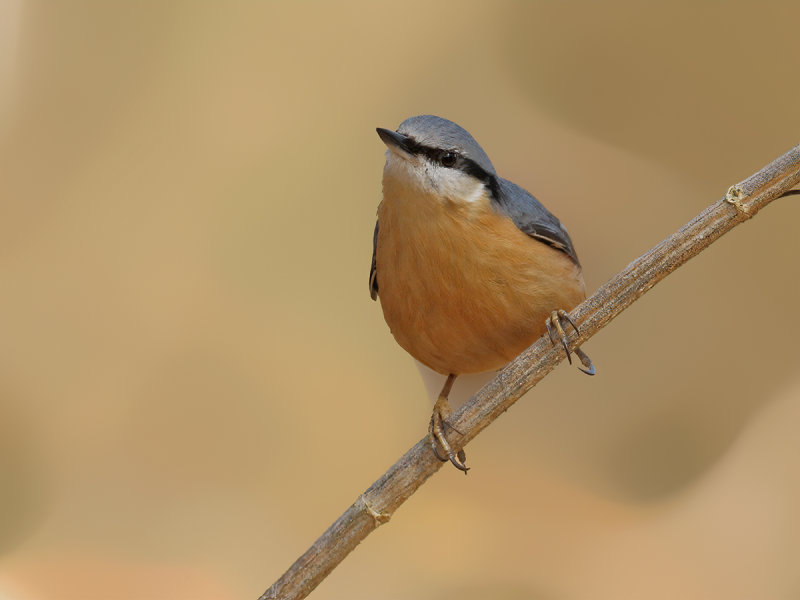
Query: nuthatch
[(470, 268)]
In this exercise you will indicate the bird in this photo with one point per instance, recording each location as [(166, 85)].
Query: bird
[(469, 268)]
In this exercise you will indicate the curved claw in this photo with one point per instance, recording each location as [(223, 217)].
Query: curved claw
[(550, 330), (566, 349), (435, 448), (557, 334), (565, 315), (586, 361), (457, 460), (438, 423)]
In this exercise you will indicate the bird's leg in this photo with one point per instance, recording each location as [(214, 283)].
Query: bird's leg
[(555, 329), (441, 411)]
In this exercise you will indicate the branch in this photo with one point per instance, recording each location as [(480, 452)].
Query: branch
[(377, 504)]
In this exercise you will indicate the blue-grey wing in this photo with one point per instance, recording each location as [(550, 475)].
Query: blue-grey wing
[(373, 271), (532, 217)]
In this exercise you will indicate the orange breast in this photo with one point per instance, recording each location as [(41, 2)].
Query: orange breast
[(462, 289)]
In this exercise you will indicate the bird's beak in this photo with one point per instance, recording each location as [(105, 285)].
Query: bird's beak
[(392, 139)]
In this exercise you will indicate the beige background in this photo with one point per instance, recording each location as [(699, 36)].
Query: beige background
[(194, 382)]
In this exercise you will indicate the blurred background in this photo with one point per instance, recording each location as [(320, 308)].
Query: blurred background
[(194, 382)]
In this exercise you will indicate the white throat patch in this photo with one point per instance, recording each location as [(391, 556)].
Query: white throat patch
[(431, 179)]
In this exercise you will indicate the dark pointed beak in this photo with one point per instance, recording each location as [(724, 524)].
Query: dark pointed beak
[(392, 138)]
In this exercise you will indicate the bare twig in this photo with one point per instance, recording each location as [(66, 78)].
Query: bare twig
[(376, 505)]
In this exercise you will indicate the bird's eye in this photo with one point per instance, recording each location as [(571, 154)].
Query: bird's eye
[(449, 159)]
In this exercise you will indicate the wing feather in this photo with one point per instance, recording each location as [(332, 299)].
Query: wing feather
[(532, 217)]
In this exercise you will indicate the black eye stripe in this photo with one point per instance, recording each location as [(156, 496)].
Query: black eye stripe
[(462, 163)]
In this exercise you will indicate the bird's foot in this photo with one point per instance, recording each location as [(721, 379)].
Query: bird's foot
[(556, 325), (436, 430)]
